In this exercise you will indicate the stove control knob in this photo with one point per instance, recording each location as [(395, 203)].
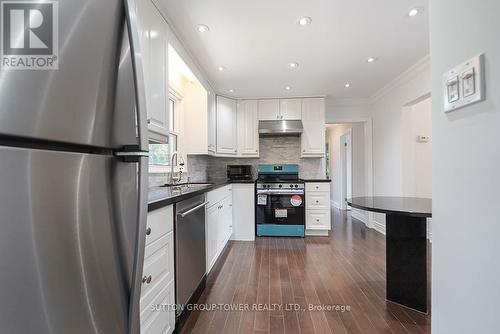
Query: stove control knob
[(280, 185), (296, 186), (291, 186)]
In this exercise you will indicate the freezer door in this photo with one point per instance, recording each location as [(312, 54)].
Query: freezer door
[(68, 237), (77, 103)]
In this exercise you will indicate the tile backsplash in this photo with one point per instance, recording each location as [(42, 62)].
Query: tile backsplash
[(273, 150)]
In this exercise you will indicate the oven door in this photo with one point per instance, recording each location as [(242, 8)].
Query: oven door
[(280, 209)]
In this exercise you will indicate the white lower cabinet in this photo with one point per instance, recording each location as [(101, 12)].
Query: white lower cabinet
[(243, 212), (318, 215), (158, 288), (219, 223)]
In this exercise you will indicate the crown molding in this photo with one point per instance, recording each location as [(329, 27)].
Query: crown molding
[(416, 69)]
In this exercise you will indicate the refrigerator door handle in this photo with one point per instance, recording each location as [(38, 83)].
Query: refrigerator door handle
[(138, 155), (138, 72)]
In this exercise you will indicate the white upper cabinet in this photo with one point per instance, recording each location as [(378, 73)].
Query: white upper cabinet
[(248, 128), (313, 120), (226, 126), (154, 45), (212, 122), (269, 110), (291, 109)]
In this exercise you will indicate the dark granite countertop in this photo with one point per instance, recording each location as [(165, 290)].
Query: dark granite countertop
[(159, 197), (316, 180), (407, 206)]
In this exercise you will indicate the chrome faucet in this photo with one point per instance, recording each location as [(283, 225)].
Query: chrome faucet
[(174, 179)]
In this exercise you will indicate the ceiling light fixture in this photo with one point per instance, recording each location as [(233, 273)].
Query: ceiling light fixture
[(305, 20), (221, 68), (202, 28), (371, 60), (288, 87), (414, 12), (293, 65), (347, 85), (231, 90)]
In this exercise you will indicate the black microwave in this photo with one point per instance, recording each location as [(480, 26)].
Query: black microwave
[(239, 172)]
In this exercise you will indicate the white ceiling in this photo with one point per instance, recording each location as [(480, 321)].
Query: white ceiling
[(257, 39)]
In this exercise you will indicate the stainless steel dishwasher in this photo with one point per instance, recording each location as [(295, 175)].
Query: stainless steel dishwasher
[(190, 260)]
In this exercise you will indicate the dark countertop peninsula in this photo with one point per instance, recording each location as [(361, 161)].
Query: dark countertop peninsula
[(408, 206), (159, 197)]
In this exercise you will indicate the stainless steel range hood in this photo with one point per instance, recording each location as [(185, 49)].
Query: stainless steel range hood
[(280, 128)]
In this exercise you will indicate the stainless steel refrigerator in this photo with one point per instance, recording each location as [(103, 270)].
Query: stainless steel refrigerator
[(73, 179)]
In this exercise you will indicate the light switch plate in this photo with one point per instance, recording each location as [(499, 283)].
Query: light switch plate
[(464, 84)]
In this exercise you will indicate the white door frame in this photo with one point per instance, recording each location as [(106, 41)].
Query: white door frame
[(346, 168)]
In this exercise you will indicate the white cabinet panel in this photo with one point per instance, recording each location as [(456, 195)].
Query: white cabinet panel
[(212, 122), (159, 223), (154, 45), (226, 126), (158, 274), (161, 321), (291, 109), (319, 186), (248, 128), (318, 201), (212, 217), (313, 120), (219, 223), (243, 212), (269, 110), (318, 220)]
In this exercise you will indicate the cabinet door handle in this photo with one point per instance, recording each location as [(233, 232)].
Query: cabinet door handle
[(149, 279), (148, 231), (144, 279), (317, 201), (317, 220), (149, 120)]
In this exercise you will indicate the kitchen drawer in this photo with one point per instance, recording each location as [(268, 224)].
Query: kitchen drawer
[(318, 220), (149, 298), (158, 261), (318, 200), (312, 187), (160, 222), (217, 195), (161, 319)]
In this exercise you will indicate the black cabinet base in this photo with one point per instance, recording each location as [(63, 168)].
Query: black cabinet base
[(406, 261)]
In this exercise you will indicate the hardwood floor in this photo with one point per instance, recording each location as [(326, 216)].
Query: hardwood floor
[(346, 269)]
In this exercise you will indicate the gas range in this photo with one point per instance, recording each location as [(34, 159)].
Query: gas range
[(280, 201)]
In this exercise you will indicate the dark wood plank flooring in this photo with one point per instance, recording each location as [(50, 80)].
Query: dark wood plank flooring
[(345, 269)]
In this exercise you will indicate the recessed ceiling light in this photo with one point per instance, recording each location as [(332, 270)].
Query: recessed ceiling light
[(414, 12), (293, 65), (304, 20), (371, 60), (231, 90), (347, 85), (288, 87), (221, 68), (202, 28)]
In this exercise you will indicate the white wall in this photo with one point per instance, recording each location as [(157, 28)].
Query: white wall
[(417, 156), (385, 110), (466, 185)]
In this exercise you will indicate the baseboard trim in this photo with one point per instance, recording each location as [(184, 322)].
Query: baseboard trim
[(316, 233)]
